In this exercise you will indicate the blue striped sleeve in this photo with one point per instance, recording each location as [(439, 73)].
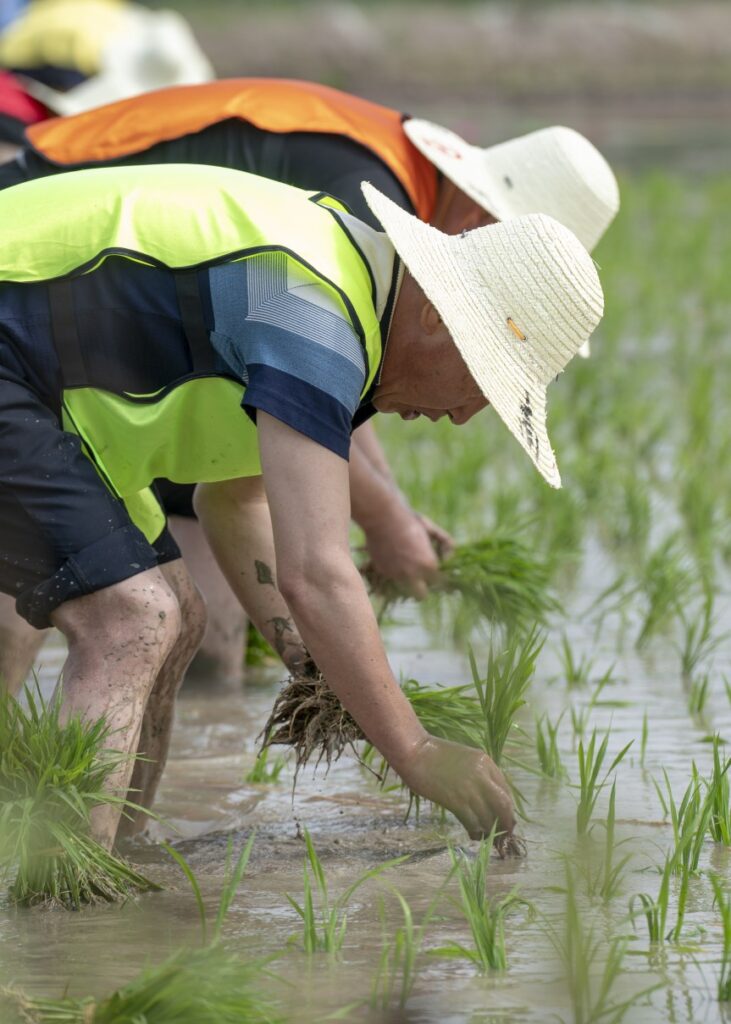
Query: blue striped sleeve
[(284, 334)]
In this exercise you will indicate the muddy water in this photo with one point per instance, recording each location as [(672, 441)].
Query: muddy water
[(355, 827)]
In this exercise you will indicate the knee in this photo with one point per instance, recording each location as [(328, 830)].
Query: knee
[(137, 620)]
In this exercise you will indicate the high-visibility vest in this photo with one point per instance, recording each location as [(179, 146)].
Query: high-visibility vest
[(274, 105), (182, 217)]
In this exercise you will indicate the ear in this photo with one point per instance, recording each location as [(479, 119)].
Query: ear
[(429, 318)]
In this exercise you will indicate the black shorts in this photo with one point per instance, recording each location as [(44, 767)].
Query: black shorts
[(175, 499), (62, 532)]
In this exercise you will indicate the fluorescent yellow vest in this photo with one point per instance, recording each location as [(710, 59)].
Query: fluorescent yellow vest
[(182, 217)]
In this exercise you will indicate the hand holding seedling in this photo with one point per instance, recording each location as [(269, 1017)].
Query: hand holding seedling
[(404, 548), (465, 781)]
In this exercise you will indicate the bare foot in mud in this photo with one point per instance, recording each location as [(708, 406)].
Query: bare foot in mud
[(465, 781)]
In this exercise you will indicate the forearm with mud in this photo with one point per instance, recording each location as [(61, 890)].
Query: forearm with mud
[(235, 518)]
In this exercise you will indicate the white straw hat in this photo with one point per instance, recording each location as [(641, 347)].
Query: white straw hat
[(555, 170), (156, 49), (518, 298)]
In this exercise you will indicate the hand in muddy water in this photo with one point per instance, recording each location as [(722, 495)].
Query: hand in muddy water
[(401, 550), (465, 781)]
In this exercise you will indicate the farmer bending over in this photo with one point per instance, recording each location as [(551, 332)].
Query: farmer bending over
[(319, 138), (211, 326)]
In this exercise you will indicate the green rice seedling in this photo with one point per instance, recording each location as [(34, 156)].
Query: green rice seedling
[(718, 796), (699, 642), (592, 967), (591, 762), (395, 974), (502, 690), (575, 674), (233, 874), (643, 739), (205, 986), (325, 931), (666, 584), (698, 694), (263, 772), (450, 712), (52, 775), (605, 874), (549, 756), (655, 909), (496, 580), (485, 915), (723, 904), (690, 820)]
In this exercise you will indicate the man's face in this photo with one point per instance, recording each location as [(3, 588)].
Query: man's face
[(424, 374)]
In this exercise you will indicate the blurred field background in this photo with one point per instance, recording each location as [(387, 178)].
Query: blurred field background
[(647, 82)]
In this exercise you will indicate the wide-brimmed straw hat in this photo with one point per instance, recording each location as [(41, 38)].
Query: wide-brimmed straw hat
[(157, 49), (555, 170), (519, 298)]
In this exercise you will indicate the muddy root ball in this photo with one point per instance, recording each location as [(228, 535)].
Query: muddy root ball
[(508, 845), (309, 717)]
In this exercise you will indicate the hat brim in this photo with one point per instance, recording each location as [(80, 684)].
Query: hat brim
[(430, 257)]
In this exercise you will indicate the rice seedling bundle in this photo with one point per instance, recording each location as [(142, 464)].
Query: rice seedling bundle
[(52, 775), (497, 580), (204, 986)]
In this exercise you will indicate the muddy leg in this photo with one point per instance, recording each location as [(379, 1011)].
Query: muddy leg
[(221, 654), (157, 724), (19, 645), (119, 639)]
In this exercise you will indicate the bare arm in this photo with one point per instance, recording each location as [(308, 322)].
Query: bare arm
[(235, 517), (308, 493), (400, 542)]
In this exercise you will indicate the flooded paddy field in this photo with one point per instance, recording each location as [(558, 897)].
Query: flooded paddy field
[(638, 544)]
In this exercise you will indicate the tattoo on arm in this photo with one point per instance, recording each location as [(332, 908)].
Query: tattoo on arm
[(264, 573), (281, 626)]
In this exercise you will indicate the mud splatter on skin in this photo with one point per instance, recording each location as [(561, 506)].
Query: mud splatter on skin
[(282, 626)]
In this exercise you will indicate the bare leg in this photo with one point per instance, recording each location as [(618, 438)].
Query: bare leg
[(19, 645), (157, 724), (221, 654), (119, 638)]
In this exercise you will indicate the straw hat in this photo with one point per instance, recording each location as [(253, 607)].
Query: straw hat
[(554, 170), (156, 49), (518, 298)]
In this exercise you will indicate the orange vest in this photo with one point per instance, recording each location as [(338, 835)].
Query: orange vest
[(271, 104)]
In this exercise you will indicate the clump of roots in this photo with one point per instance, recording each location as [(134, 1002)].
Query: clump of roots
[(507, 845), (308, 717)]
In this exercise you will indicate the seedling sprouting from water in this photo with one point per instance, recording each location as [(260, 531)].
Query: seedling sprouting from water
[(723, 905), (699, 643), (591, 762), (396, 971), (575, 673), (592, 967), (52, 775), (604, 869), (263, 772), (666, 583), (690, 819), (549, 755), (324, 928), (718, 795), (502, 690), (484, 914)]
